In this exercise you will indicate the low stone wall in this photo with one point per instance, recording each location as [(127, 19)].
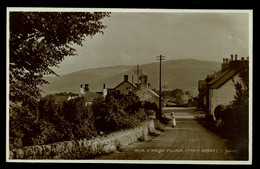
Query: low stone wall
[(86, 149)]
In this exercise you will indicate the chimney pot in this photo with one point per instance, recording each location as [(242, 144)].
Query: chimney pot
[(242, 58), (236, 57), (231, 57), (104, 86), (224, 60), (81, 91), (86, 87), (125, 78)]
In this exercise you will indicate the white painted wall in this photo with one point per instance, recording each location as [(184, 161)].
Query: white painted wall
[(81, 91), (223, 95), (104, 92)]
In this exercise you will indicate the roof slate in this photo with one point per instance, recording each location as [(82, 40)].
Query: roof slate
[(123, 83), (219, 75), (223, 79)]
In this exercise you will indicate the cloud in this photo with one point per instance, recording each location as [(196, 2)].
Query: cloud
[(137, 38)]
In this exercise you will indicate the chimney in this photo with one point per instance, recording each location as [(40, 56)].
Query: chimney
[(144, 79), (247, 58), (226, 60), (149, 85), (126, 78), (223, 65), (104, 90), (236, 57), (81, 91), (231, 57), (86, 88), (242, 58)]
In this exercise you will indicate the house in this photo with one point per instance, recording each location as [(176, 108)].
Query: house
[(87, 95), (145, 93), (142, 90), (220, 88), (222, 91), (202, 98), (124, 87)]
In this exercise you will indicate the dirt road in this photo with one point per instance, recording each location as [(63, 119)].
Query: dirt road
[(187, 141)]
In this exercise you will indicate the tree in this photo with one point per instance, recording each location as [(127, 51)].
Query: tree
[(117, 111), (40, 40), (241, 102)]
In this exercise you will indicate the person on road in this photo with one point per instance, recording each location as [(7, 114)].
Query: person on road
[(173, 120)]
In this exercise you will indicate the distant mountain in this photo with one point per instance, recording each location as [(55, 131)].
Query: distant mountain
[(183, 74)]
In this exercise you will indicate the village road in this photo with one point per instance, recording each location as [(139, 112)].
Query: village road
[(189, 140)]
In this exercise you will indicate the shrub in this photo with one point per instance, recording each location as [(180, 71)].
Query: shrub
[(21, 126), (150, 106), (47, 133), (50, 122), (79, 119), (219, 112), (118, 111), (150, 112), (48, 109)]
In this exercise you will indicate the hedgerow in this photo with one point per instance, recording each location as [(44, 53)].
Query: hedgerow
[(118, 111), (51, 121)]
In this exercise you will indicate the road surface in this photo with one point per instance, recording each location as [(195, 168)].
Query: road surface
[(187, 141)]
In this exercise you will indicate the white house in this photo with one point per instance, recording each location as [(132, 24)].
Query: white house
[(222, 89), (220, 86)]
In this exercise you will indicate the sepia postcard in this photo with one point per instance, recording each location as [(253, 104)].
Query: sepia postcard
[(148, 86)]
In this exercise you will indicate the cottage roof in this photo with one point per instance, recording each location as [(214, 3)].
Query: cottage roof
[(123, 83), (61, 98), (218, 76), (153, 92), (90, 96), (223, 79)]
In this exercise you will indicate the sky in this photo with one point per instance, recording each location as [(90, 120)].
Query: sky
[(133, 38)]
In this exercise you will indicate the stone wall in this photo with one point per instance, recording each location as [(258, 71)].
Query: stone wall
[(84, 148)]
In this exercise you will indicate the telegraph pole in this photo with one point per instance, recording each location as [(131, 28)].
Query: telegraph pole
[(132, 83), (138, 74), (160, 58)]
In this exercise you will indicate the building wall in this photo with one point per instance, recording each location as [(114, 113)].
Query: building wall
[(145, 95), (204, 100), (124, 88), (223, 95)]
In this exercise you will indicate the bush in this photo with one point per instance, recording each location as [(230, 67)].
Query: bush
[(47, 133), (118, 111), (150, 106), (79, 119), (150, 112), (51, 122), (21, 126)]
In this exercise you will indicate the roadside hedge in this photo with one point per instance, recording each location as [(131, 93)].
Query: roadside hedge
[(53, 121)]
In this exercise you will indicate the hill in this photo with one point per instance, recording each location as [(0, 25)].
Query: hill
[(183, 74)]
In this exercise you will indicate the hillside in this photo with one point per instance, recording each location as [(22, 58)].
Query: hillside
[(183, 74)]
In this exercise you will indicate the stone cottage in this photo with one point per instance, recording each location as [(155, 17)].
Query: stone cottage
[(124, 87), (145, 93), (220, 88)]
